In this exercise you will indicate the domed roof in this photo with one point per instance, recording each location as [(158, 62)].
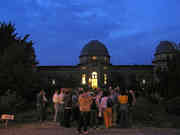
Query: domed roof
[(165, 47), (94, 48)]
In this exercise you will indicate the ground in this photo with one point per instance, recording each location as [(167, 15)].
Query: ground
[(50, 128)]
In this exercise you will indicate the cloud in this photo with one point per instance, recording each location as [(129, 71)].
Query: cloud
[(123, 26), (122, 33)]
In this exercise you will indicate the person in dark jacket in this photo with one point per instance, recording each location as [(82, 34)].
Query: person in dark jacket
[(131, 102), (67, 108), (41, 102)]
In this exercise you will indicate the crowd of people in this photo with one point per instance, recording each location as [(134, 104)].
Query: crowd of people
[(90, 108)]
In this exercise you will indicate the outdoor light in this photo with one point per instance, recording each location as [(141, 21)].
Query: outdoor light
[(53, 82), (144, 81)]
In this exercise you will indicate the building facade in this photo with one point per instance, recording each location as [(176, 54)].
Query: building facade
[(95, 69)]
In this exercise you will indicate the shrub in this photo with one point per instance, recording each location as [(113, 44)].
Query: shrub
[(10, 102)]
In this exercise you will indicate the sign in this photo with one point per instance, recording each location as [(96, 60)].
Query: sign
[(7, 117)]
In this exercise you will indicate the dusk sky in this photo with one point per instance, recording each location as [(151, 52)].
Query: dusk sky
[(130, 29)]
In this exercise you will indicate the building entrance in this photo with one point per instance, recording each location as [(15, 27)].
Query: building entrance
[(93, 80)]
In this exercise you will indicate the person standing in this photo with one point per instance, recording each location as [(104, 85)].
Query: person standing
[(131, 102), (75, 108), (67, 108), (61, 107), (56, 105), (94, 112), (85, 101), (41, 105), (123, 109), (98, 103), (106, 106)]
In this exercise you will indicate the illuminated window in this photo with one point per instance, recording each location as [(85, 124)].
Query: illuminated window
[(94, 80), (94, 75), (83, 78), (105, 79), (94, 57), (83, 67)]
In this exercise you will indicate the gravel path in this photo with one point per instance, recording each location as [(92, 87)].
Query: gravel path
[(54, 129)]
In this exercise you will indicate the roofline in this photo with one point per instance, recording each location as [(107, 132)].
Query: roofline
[(58, 66), (132, 66), (95, 55)]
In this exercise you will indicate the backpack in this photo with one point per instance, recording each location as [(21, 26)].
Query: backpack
[(130, 99), (109, 102)]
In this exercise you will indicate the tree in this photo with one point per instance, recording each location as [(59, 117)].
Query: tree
[(174, 75), (169, 79), (17, 62)]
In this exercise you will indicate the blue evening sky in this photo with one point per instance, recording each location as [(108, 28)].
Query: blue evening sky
[(130, 29)]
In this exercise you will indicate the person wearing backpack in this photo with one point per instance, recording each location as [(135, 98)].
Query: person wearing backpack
[(94, 112), (123, 109), (106, 106), (85, 101), (131, 102), (99, 111), (67, 108)]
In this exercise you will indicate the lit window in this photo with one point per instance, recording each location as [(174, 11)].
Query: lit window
[(83, 78), (105, 79), (94, 80), (83, 67), (94, 57), (94, 75)]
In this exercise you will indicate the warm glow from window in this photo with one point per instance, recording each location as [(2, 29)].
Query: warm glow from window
[(94, 80), (83, 78), (105, 79), (83, 67), (94, 75), (94, 57)]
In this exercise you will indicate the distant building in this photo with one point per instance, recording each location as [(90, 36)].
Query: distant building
[(95, 68)]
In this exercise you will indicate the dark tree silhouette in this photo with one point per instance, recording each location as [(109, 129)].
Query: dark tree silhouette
[(169, 79), (17, 62)]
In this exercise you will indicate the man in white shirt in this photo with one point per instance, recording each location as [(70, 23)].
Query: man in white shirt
[(56, 104)]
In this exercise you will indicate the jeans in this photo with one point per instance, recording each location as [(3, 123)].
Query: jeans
[(67, 117), (93, 118), (83, 121), (41, 110), (56, 109), (131, 109), (123, 111), (61, 114)]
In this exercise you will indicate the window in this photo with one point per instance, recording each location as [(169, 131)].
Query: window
[(94, 80), (83, 67), (83, 78), (94, 75), (105, 79)]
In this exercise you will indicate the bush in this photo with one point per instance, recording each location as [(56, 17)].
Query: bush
[(10, 102), (172, 106), (149, 114)]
